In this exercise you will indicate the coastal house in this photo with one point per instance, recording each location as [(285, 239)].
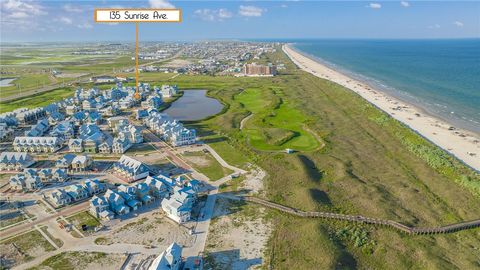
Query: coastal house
[(120, 144), (105, 147), (160, 185), (142, 191), (170, 259), (55, 118), (15, 161), (77, 192), (73, 163), (29, 116), (169, 90), (17, 182), (130, 169), (60, 197), (94, 186), (100, 208), (37, 144), (116, 202), (129, 194), (75, 145), (179, 205), (72, 109), (6, 132), (22, 182), (183, 136), (64, 130), (47, 174), (38, 129), (152, 102)]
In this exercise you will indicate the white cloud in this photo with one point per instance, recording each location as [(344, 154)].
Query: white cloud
[(404, 3), (160, 4), (21, 15), (224, 13), (435, 26), (70, 8), (85, 25), (374, 5), (65, 20), (283, 6), (15, 7), (213, 14), (18, 15), (458, 23), (250, 11)]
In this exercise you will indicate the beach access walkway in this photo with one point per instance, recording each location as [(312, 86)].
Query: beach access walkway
[(360, 219)]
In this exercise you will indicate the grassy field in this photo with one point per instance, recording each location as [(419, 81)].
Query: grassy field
[(81, 260), (275, 124), (207, 164), (36, 100), (84, 218), (30, 244), (26, 82)]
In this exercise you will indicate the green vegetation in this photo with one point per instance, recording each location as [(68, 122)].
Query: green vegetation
[(275, 124), (11, 218), (57, 241), (38, 100), (365, 168), (26, 82), (371, 165), (101, 241), (206, 164), (143, 148), (29, 244), (80, 260), (84, 218)]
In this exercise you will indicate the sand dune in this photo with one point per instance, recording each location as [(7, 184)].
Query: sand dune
[(465, 145)]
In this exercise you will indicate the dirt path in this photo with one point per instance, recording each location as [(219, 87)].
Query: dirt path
[(244, 120)]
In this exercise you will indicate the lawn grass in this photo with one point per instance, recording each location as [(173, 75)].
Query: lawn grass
[(275, 125), (212, 169), (82, 218)]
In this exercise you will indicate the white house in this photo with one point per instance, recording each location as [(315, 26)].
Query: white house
[(15, 161), (130, 169), (170, 259), (37, 144)]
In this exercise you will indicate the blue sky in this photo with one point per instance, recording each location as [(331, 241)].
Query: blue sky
[(33, 20)]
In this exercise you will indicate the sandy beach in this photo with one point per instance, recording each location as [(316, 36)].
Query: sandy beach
[(464, 145)]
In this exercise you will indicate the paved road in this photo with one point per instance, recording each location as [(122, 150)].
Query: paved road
[(28, 226)]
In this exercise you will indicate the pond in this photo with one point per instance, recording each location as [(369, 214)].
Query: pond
[(6, 81), (194, 105)]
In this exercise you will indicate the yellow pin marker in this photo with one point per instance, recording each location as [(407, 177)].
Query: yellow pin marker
[(137, 16)]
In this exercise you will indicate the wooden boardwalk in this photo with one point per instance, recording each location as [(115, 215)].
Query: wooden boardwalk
[(366, 220)]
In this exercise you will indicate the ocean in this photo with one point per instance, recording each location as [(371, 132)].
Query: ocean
[(441, 77)]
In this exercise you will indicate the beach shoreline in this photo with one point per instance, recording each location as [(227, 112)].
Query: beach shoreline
[(463, 144)]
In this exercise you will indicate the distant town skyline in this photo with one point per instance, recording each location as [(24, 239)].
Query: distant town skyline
[(36, 21)]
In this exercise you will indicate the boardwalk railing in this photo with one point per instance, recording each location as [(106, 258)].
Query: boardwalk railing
[(366, 220)]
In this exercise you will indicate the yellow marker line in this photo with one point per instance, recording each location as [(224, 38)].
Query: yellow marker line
[(137, 95)]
